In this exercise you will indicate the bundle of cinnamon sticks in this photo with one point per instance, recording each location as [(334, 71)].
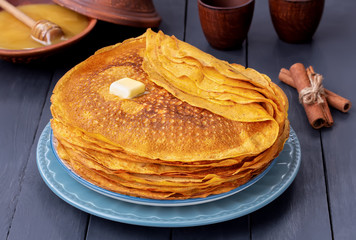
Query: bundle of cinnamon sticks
[(317, 111)]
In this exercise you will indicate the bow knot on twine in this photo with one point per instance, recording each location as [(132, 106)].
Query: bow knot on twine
[(314, 93)]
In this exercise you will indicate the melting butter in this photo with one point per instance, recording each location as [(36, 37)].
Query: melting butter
[(16, 35), (127, 88)]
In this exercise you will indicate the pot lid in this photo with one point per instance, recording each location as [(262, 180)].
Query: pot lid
[(135, 13)]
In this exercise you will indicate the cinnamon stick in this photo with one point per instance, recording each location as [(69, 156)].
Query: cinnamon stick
[(334, 100), (318, 113), (338, 102), (286, 77)]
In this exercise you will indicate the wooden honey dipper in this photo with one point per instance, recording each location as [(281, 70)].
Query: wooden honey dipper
[(42, 31)]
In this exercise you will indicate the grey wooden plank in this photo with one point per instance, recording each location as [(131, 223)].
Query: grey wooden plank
[(302, 211), (231, 230), (40, 214), (22, 92), (172, 13), (105, 229), (338, 64), (234, 229)]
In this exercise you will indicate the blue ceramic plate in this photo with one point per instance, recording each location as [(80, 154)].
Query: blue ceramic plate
[(268, 188), (154, 202)]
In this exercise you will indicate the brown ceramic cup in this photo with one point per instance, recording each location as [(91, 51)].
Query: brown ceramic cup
[(225, 23), (296, 21)]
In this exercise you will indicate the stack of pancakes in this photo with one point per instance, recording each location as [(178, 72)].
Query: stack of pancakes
[(203, 126)]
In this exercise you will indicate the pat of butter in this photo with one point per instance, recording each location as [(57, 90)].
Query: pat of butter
[(127, 88)]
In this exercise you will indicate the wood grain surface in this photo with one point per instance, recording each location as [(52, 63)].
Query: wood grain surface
[(338, 65), (22, 96), (306, 199)]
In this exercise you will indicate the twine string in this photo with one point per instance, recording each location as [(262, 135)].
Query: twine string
[(314, 93)]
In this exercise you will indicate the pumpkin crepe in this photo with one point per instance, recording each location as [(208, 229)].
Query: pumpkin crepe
[(203, 126)]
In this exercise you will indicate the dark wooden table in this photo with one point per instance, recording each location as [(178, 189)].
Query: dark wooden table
[(320, 203)]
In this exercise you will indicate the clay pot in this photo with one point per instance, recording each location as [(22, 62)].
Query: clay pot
[(134, 13), (296, 21), (225, 23)]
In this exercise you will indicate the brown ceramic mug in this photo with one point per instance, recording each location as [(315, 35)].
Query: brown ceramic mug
[(225, 23), (296, 21)]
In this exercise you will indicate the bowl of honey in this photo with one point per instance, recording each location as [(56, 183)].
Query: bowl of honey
[(16, 43)]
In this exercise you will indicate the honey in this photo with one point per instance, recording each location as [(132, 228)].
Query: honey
[(16, 35)]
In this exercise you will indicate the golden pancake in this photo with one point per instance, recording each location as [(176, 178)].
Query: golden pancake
[(202, 127), (148, 185)]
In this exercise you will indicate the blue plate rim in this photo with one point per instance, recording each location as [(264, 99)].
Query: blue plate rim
[(75, 199)]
